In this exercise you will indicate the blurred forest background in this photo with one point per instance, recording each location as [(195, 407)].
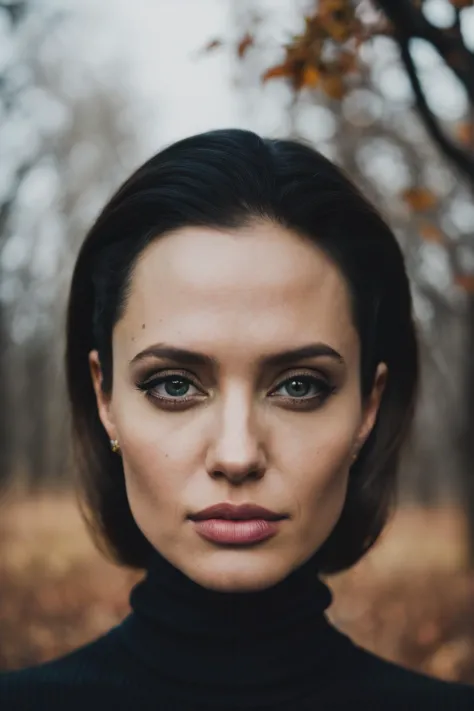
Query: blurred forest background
[(87, 92)]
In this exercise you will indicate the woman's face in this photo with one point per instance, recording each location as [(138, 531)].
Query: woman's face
[(235, 417)]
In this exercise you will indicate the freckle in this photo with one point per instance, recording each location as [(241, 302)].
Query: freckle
[(143, 325)]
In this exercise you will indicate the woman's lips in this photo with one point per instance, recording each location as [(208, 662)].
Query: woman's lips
[(234, 532)]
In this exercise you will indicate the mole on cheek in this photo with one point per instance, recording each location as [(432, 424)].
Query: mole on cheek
[(143, 325)]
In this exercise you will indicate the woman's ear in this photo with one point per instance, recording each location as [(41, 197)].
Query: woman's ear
[(372, 405), (103, 400)]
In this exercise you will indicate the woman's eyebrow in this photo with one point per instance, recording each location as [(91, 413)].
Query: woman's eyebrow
[(189, 357), (312, 350)]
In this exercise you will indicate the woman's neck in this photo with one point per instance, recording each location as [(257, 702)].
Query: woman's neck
[(232, 647)]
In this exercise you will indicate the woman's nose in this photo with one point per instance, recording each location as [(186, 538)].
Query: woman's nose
[(236, 449)]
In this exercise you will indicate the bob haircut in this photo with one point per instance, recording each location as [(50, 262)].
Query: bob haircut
[(229, 179)]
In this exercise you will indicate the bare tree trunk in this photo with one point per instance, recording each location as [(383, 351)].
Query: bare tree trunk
[(467, 435), (409, 22), (34, 406), (5, 450)]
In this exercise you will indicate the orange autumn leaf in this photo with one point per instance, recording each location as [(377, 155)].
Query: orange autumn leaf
[(330, 6), (310, 77), (280, 70), (333, 85), (465, 132), (466, 282), (431, 233), (419, 199), (338, 31), (347, 62), (213, 44), (461, 4), (337, 9), (337, 17), (245, 43)]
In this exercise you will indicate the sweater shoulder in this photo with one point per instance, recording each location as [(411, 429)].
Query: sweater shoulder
[(378, 679), (66, 682)]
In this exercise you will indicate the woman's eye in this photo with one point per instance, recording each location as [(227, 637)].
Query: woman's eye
[(179, 390), (304, 387), (170, 387)]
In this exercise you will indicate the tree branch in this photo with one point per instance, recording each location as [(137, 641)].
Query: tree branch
[(7, 205), (460, 157), (409, 22), (15, 10)]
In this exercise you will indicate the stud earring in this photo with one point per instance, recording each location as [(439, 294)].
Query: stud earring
[(114, 445)]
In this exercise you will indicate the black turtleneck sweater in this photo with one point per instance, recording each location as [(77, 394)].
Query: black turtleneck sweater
[(185, 648)]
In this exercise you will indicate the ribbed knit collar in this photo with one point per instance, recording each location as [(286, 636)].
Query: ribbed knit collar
[(229, 650)]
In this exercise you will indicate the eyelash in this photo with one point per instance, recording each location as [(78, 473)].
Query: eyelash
[(311, 402)]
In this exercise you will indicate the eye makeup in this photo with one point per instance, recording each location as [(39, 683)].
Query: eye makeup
[(170, 389)]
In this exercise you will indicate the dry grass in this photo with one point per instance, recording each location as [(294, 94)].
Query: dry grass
[(56, 591), (409, 600)]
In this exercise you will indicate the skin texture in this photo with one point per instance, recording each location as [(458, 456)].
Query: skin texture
[(248, 433)]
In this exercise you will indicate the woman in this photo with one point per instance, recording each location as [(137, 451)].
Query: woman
[(242, 369)]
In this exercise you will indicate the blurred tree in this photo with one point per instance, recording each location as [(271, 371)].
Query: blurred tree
[(65, 134), (343, 74), (11, 16), (408, 22)]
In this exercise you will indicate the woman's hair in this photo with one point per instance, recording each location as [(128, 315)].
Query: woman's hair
[(229, 179)]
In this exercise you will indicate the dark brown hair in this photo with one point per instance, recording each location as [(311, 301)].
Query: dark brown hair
[(223, 179)]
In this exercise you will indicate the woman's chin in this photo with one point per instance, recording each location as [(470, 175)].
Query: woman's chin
[(236, 571)]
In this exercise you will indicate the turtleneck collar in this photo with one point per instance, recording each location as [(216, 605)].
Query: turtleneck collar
[(228, 649)]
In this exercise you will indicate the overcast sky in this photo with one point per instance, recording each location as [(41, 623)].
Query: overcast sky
[(184, 91)]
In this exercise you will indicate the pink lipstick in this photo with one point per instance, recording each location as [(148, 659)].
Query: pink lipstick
[(237, 525)]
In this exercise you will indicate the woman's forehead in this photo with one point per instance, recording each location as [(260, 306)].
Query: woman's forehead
[(263, 263), (265, 285)]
